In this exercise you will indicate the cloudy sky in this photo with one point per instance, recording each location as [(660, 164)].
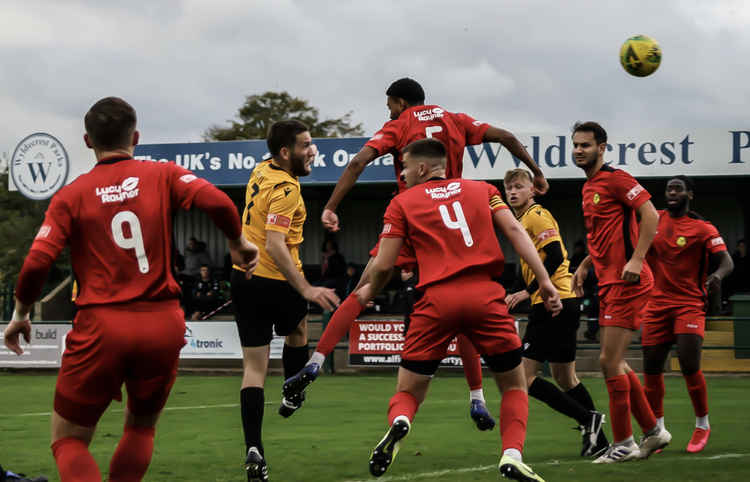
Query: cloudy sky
[(528, 66)]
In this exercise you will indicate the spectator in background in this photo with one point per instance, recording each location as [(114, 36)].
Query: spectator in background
[(740, 279), (206, 293), (332, 265), (195, 257), (590, 299)]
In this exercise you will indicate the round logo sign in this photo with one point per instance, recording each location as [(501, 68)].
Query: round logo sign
[(39, 166)]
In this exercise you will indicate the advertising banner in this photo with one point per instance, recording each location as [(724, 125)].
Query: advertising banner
[(379, 343), (44, 351)]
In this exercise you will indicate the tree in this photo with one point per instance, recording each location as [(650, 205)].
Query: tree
[(260, 111), (20, 219)]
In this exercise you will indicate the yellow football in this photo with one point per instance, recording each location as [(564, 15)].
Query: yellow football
[(640, 55)]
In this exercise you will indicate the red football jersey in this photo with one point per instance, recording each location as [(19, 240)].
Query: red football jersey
[(117, 219), (679, 258), (456, 131), (449, 224), (610, 200)]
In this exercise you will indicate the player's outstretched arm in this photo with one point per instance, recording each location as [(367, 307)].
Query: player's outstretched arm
[(512, 229), (345, 183), (276, 248), (631, 273), (514, 146)]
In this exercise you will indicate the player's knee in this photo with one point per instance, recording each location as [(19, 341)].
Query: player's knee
[(565, 379), (689, 366)]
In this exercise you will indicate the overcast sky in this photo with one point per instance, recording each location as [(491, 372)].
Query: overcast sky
[(528, 66)]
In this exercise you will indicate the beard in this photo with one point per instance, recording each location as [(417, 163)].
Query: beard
[(299, 165), (679, 207), (588, 161)]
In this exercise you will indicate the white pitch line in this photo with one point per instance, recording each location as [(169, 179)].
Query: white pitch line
[(482, 468), (120, 410)]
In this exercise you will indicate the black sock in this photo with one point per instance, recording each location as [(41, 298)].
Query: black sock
[(581, 395), (294, 358), (548, 393), (252, 402)]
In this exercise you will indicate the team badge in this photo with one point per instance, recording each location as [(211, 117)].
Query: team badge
[(596, 198), (681, 241), (39, 166)]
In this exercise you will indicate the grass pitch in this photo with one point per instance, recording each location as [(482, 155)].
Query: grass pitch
[(199, 437)]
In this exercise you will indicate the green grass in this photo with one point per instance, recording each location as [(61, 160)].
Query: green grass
[(331, 437)]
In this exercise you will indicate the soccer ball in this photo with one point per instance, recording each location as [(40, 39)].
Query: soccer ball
[(640, 55)]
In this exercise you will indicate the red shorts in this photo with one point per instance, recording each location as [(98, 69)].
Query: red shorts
[(406, 257), (623, 304), (661, 323), (446, 310), (136, 343)]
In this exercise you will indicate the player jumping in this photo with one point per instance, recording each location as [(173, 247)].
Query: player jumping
[(451, 227), (411, 120)]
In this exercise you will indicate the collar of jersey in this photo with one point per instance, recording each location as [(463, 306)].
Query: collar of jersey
[(115, 158), (436, 178), (527, 210)]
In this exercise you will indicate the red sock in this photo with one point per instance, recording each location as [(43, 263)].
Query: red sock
[(133, 454), (402, 403), (639, 404), (471, 361), (514, 412), (696, 386), (619, 407), (340, 322), (74, 461), (655, 393)]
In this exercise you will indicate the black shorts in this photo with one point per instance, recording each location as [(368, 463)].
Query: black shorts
[(262, 305), (552, 339)]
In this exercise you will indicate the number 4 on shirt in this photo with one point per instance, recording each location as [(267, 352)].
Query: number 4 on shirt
[(459, 223)]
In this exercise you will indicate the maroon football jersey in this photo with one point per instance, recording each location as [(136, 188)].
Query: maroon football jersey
[(610, 201), (117, 219), (449, 225), (455, 131), (679, 259)]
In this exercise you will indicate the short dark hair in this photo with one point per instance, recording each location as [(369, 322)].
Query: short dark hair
[(284, 134), (430, 148), (407, 89), (110, 123), (688, 182), (590, 126)]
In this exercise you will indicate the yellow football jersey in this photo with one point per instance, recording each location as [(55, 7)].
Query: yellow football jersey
[(542, 229), (273, 202)]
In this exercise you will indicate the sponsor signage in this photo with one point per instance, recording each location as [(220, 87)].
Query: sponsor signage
[(39, 166), (380, 342), (218, 340), (44, 351)]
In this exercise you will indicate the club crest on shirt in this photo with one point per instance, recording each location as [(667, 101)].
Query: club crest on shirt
[(596, 198), (39, 166), (681, 241)]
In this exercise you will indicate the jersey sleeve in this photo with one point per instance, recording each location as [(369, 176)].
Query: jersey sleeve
[(714, 241), (388, 137), (394, 221), (474, 129), (184, 185), (542, 228), (627, 190), (282, 205), (496, 200), (55, 231)]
